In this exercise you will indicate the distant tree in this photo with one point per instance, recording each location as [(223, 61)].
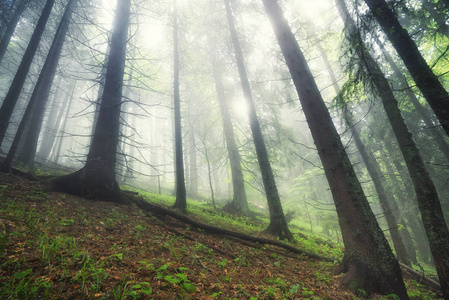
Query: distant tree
[(97, 179), (278, 225), (443, 145), (239, 202), (427, 196), (181, 198), (19, 8), (34, 113), (368, 259), (432, 89), (19, 79)]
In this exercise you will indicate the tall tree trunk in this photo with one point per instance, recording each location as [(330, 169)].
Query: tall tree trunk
[(239, 202), (181, 198), (96, 180), (427, 196), (38, 101), (422, 74), (386, 198), (368, 259), (278, 225), (12, 24), (19, 79)]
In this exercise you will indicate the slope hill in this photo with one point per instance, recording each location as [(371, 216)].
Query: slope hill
[(57, 246)]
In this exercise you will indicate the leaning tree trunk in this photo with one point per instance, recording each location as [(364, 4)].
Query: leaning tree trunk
[(38, 101), (96, 180), (12, 24), (386, 198), (278, 225), (181, 198), (427, 196), (19, 79), (368, 259), (422, 74), (239, 202)]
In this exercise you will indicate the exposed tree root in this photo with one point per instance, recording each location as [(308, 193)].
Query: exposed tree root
[(421, 277), (217, 230), (91, 185)]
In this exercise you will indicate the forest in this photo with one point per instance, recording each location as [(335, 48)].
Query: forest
[(224, 149)]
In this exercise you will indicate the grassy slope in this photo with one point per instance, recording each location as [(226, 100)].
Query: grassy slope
[(56, 246)]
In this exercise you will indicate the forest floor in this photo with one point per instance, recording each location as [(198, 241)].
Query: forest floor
[(57, 246)]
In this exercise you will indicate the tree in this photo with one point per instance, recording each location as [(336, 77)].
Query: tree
[(37, 104), (239, 202), (181, 198), (12, 24), (368, 259), (19, 79), (422, 74), (386, 198), (427, 196), (96, 180), (278, 225)]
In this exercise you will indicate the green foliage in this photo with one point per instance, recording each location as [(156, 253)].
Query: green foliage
[(24, 286)]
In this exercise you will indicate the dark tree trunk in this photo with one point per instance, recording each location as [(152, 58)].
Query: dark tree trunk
[(368, 259), (422, 74), (38, 101), (12, 24), (427, 196), (96, 180), (278, 225), (181, 198), (19, 79), (239, 202), (101, 82), (386, 198)]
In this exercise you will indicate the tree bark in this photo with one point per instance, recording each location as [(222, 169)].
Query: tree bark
[(96, 180), (278, 225), (427, 196), (181, 198), (422, 74), (19, 79), (368, 259)]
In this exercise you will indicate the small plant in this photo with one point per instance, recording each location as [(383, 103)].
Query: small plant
[(222, 264)]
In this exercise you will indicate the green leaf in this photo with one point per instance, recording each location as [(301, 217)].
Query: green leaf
[(189, 287), (22, 274)]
